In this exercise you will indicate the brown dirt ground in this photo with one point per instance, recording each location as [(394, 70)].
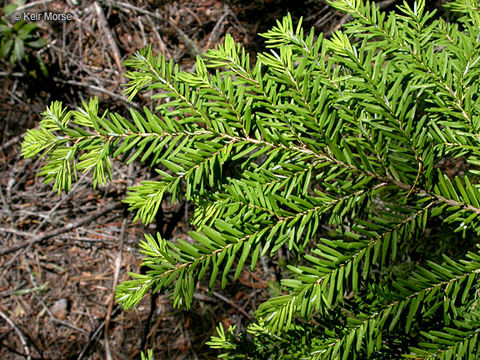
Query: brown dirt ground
[(60, 254)]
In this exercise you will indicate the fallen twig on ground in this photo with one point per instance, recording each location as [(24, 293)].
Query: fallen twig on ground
[(99, 89), (95, 334), (19, 334), (102, 22), (52, 233), (203, 297)]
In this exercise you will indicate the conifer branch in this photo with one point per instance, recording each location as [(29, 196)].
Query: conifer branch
[(332, 150)]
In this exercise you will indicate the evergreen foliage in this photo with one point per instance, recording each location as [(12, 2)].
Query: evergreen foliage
[(332, 149)]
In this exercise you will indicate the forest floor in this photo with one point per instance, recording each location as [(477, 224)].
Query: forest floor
[(62, 255)]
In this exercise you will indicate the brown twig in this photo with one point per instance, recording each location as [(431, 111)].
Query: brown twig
[(32, 4), (52, 317), (64, 198), (95, 334), (19, 334), (10, 142), (191, 46), (39, 238), (102, 22), (99, 89), (218, 27), (120, 4), (118, 262), (224, 299), (189, 43), (419, 172), (383, 4), (15, 232), (161, 43)]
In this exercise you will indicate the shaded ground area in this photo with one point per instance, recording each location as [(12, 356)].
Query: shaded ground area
[(61, 255)]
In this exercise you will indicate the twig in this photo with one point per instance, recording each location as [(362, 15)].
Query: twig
[(137, 9), (142, 32), (32, 4), (100, 89), (84, 239), (383, 4), (59, 203), (17, 290), (191, 46), (16, 232), (324, 19), (161, 43), (73, 83), (188, 337), (223, 298), (10, 142), (420, 167), (195, 16), (55, 232), (230, 302), (111, 41), (218, 27), (19, 334), (118, 262), (189, 43), (54, 319), (95, 334)]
